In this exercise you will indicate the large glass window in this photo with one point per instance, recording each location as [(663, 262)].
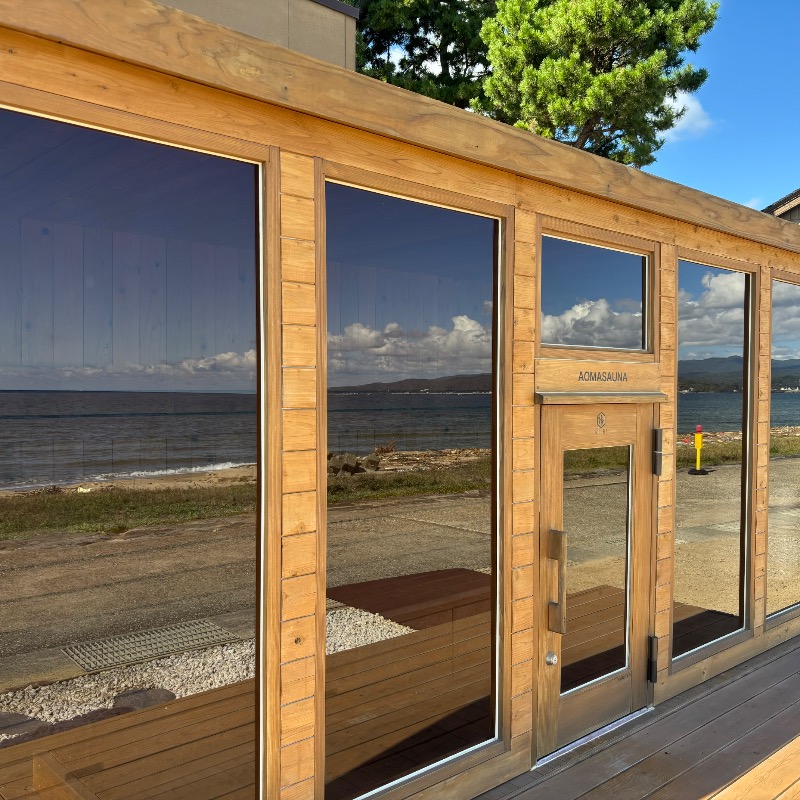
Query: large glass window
[(593, 296), (710, 527), (128, 359), (411, 520), (596, 640), (783, 548)]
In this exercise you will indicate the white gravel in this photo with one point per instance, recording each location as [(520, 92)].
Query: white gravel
[(182, 674), (348, 627)]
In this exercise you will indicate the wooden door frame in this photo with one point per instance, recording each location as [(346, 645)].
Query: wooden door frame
[(640, 568)]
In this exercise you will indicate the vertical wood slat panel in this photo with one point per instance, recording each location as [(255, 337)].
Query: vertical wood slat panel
[(300, 507), (321, 300), (762, 424), (272, 508), (524, 444), (664, 514)]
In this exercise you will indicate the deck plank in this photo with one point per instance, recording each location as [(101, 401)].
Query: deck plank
[(628, 752), (779, 772), (792, 793), (144, 787), (173, 761), (731, 764), (673, 759), (209, 737)]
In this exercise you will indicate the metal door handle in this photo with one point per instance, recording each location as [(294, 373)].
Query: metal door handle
[(557, 611)]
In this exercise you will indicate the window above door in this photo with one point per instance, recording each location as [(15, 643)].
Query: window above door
[(595, 293)]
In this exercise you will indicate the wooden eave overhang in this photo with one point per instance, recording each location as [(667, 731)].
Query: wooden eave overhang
[(150, 35)]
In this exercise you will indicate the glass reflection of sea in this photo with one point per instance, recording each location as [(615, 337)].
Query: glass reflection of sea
[(67, 437), (359, 422)]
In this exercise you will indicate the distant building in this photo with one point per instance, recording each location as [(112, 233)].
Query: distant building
[(787, 208), (324, 29)]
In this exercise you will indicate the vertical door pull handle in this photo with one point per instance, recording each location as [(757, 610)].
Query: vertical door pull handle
[(557, 610)]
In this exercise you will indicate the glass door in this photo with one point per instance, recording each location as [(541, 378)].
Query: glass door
[(595, 567)]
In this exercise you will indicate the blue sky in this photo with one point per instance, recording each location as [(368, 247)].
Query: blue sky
[(738, 139), (124, 264), (410, 288)]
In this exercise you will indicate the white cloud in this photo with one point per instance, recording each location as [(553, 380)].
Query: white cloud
[(723, 290), (695, 121), (362, 354), (755, 202), (712, 324), (221, 372), (593, 323), (785, 320)]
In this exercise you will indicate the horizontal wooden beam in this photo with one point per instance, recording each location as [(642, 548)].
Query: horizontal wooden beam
[(591, 398), (145, 33)]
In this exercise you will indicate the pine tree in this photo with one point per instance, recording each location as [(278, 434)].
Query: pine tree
[(600, 75)]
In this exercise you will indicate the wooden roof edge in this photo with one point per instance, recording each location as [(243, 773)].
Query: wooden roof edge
[(147, 34)]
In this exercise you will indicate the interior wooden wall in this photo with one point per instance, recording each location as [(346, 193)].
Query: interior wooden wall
[(62, 307), (70, 83)]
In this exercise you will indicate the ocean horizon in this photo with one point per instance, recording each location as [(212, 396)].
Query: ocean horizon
[(67, 437)]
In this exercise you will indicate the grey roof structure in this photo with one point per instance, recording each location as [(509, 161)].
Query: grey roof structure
[(787, 203)]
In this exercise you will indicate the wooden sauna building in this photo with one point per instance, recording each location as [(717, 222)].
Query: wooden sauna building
[(233, 274)]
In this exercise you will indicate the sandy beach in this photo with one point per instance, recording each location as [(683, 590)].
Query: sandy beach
[(197, 479)]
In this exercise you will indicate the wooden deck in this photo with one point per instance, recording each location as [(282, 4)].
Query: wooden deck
[(737, 736)]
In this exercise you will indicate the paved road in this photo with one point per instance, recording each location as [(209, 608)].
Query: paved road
[(58, 591), (62, 590)]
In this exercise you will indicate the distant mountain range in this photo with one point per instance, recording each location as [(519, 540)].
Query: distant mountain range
[(450, 383), (726, 374), (702, 375)]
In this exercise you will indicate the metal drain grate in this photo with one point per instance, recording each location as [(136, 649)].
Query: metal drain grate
[(146, 645)]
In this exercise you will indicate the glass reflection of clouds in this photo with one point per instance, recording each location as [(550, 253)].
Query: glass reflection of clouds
[(409, 295), (592, 296), (126, 264), (711, 312)]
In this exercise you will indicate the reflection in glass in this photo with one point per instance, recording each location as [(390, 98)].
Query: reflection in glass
[(783, 548), (592, 296), (128, 422), (596, 521), (712, 392), (410, 560)]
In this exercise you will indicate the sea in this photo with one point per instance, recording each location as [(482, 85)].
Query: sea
[(359, 422), (722, 411), (56, 438), (62, 437)]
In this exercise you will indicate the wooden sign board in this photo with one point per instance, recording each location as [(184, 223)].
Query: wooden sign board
[(608, 377)]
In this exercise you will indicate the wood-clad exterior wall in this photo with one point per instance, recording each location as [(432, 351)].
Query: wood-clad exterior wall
[(133, 67)]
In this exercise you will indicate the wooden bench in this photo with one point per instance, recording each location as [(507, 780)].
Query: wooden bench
[(423, 599), (381, 695), (198, 748)]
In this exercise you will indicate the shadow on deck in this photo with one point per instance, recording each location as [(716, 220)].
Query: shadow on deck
[(736, 736)]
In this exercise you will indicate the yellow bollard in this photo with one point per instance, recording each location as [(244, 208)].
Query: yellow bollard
[(698, 446)]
